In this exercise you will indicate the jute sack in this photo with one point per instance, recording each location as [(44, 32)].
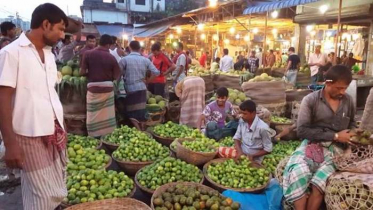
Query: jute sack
[(209, 85), (278, 72), (265, 92), (227, 81), (264, 114), (303, 79), (367, 122), (347, 190), (296, 95), (295, 110), (357, 159), (278, 109)]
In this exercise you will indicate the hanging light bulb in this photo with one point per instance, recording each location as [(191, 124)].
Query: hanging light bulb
[(237, 36), (274, 14), (226, 41), (142, 44), (215, 37), (274, 31), (255, 30), (178, 30), (309, 28), (246, 38), (171, 36), (213, 3), (232, 30), (323, 8), (125, 37), (200, 26), (152, 42), (203, 36), (313, 33)]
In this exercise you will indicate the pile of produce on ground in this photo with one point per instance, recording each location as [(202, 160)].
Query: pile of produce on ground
[(86, 158), (227, 142), (264, 78), (166, 171), (363, 137), (141, 149), (84, 141), (90, 185), (231, 72), (122, 134), (305, 69), (235, 96), (155, 102), (198, 71), (279, 152), (71, 76), (172, 130), (282, 120), (189, 197), (238, 175)]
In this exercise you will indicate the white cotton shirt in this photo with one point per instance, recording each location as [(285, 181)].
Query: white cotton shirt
[(226, 63), (314, 58), (36, 103)]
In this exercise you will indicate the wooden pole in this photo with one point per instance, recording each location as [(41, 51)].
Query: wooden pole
[(338, 29), (265, 39)]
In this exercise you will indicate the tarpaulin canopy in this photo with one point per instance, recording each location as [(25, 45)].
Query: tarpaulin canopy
[(114, 30), (259, 7)]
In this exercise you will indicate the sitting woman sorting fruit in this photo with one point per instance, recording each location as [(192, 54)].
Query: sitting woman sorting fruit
[(215, 115), (252, 138)]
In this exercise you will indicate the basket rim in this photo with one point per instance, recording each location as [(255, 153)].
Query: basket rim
[(160, 137), (150, 191), (98, 202), (229, 188), (191, 151)]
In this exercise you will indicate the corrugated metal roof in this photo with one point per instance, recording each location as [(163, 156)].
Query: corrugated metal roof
[(259, 7)]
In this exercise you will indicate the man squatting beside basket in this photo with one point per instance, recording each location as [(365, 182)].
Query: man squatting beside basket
[(323, 122), (31, 115)]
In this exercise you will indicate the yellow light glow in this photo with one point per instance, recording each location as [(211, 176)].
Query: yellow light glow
[(237, 36), (142, 44), (246, 38), (274, 14), (171, 36), (226, 41), (203, 36), (268, 41), (313, 33), (329, 34), (152, 42), (213, 3), (200, 26), (174, 44), (255, 30), (178, 30), (355, 36), (125, 37), (274, 31), (215, 37), (323, 8), (232, 30)]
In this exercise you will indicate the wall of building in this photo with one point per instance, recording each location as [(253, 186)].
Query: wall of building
[(91, 16), (147, 7), (162, 5)]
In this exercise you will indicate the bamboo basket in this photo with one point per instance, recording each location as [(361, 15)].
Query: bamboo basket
[(130, 168), (163, 140), (192, 157), (99, 146), (156, 118), (275, 124), (222, 188), (172, 149), (111, 146), (163, 189), (150, 192), (112, 204)]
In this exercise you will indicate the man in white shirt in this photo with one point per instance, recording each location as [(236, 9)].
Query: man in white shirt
[(260, 56), (226, 63), (31, 115), (315, 61)]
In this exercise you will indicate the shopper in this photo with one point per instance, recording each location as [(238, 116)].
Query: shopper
[(101, 70), (215, 115), (115, 49), (66, 52), (215, 64), (270, 59), (134, 67), (259, 55), (350, 61), (253, 62), (315, 61), (157, 84), (203, 59), (4, 42), (292, 66), (226, 63), (191, 91), (324, 120), (31, 115), (8, 30), (90, 44), (284, 58), (252, 136), (181, 64)]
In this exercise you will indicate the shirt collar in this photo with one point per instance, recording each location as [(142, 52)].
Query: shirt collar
[(253, 125), (135, 53), (25, 41), (102, 49)]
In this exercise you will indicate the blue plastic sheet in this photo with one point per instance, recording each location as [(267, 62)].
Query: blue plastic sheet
[(270, 199)]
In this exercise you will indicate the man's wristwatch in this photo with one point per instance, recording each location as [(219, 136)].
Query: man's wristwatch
[(336, 136)]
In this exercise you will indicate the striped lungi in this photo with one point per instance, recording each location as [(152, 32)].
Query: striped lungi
[(43, 177), (192, 101), (136, 105), (100, 112), (301, 171)]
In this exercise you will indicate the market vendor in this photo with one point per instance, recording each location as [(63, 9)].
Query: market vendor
[(252, 137), (100, 95), (216, 114), (324, 119)]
